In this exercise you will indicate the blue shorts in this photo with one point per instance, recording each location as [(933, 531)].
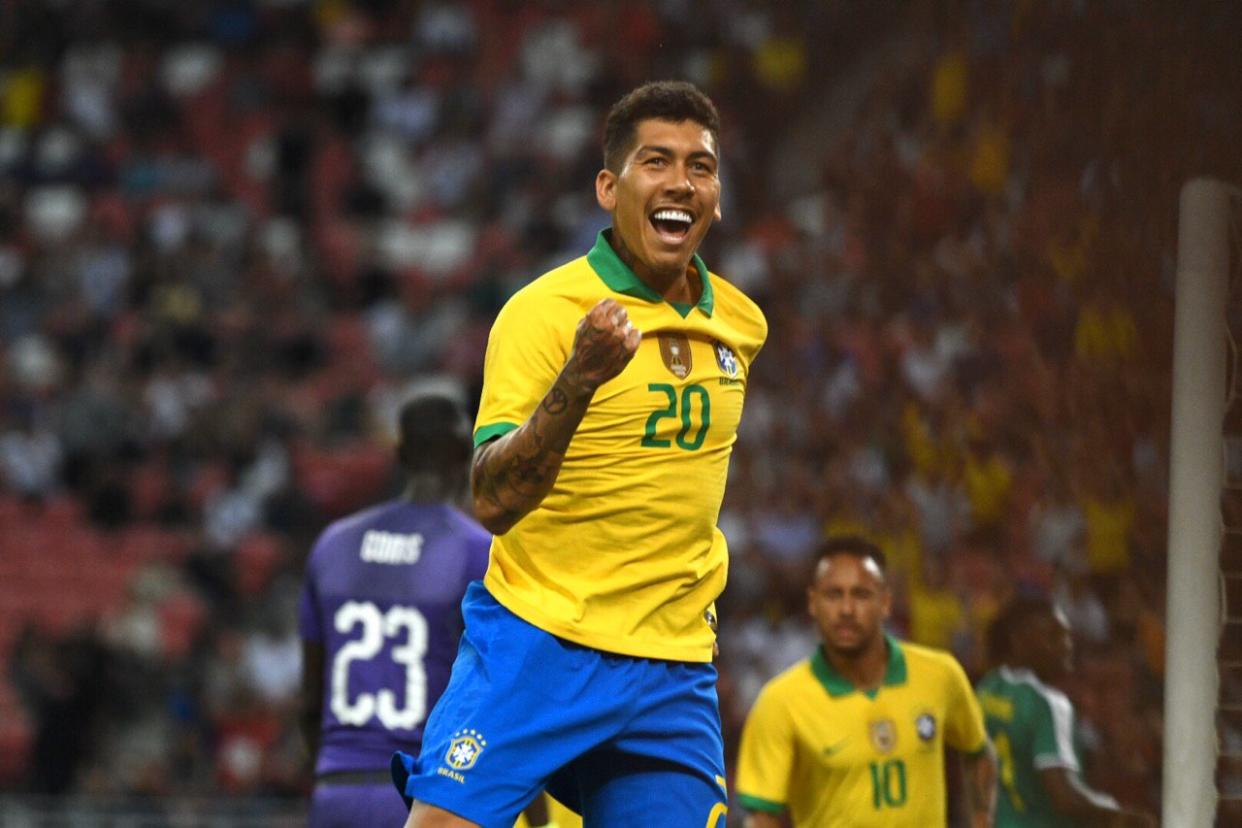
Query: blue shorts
[(620, 740)]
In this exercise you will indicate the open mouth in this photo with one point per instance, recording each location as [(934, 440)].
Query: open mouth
[(672, 225)]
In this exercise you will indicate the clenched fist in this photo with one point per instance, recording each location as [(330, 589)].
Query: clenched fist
[(604, 344)]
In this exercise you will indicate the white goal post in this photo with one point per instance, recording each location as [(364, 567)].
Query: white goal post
[(1196, 477)]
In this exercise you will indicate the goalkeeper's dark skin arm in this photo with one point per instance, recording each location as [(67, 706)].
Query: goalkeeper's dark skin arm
[(1074, 799), (512, 475)]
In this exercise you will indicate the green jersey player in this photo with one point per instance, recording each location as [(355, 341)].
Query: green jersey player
[(1031, 724)]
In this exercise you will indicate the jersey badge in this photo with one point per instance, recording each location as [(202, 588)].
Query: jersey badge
[(725, 359), (883, 735), (675, 350), (925, 726), (464, 750)]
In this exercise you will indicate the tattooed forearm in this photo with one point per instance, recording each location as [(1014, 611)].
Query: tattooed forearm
[(556, 401), (512, 475)]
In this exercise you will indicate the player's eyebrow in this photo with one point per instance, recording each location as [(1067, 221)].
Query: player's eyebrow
[(659, 149)]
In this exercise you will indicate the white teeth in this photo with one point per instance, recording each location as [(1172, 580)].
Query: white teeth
[(673, 215)]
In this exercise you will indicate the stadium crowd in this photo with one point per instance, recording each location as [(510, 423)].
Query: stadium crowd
[(233, 236)]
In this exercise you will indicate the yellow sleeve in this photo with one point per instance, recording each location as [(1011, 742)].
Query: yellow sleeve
[(765, 758), (964, 728), (526, 351)]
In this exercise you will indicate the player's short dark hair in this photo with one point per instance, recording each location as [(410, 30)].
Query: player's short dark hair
[(1014, 616), (434, 433), (675, 101), (854, 546)]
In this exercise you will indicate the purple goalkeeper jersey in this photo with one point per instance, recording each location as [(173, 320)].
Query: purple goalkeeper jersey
[(383, 596)]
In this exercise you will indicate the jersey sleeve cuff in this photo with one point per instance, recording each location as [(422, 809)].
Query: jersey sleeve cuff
[(1051, 760), (979, 751), (754, 803), (402, 768), (491, 432)]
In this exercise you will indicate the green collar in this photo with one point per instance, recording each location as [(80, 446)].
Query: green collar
[(618, 276), (838, 685)]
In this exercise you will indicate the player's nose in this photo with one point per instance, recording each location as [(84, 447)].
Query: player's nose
[(679, 181)]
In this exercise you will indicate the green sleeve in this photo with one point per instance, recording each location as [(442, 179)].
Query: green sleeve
[(1052, 729)]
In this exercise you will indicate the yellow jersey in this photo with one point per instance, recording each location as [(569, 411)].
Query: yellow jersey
[(624, 555), (558, 814), (836, 756)]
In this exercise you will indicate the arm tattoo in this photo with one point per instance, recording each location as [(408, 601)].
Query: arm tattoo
[(556, 401), (513, 475)]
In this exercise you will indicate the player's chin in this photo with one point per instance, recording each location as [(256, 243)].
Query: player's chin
[(665, 260), (848, 645)]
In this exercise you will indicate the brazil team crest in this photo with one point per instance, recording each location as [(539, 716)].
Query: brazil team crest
[(675, 351), (726, 359), (883, 735), (464, 750)]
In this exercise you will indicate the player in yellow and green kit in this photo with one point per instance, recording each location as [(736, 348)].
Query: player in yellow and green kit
[(855, 735), (612, 392), (1032, 725)]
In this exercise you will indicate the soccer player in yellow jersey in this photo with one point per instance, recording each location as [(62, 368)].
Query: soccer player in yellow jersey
[(854, 736), (612, 391)]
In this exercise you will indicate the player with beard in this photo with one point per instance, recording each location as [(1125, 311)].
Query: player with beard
[(855, 734)]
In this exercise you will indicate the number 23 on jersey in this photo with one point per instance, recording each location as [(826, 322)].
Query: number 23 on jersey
[(369, 629)]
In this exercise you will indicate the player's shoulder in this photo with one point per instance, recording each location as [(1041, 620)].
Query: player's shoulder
[(992, 682), (923, 660), (792, 682), (356, 523), (360, 519), (740, 309), (466, 526), (563, 288), (1024, 685)]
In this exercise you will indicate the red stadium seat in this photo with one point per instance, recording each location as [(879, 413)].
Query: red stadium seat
[(11, 511), (342, 480), (256, 560), (143, 543), (62, 511), (16, 738)]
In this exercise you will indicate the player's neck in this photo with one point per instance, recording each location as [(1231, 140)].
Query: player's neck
[(432, 488), (1050, 677), (681, 285), (865, 669)]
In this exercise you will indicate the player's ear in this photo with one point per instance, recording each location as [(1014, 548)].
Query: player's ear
[(606, 190), (810, 602)]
